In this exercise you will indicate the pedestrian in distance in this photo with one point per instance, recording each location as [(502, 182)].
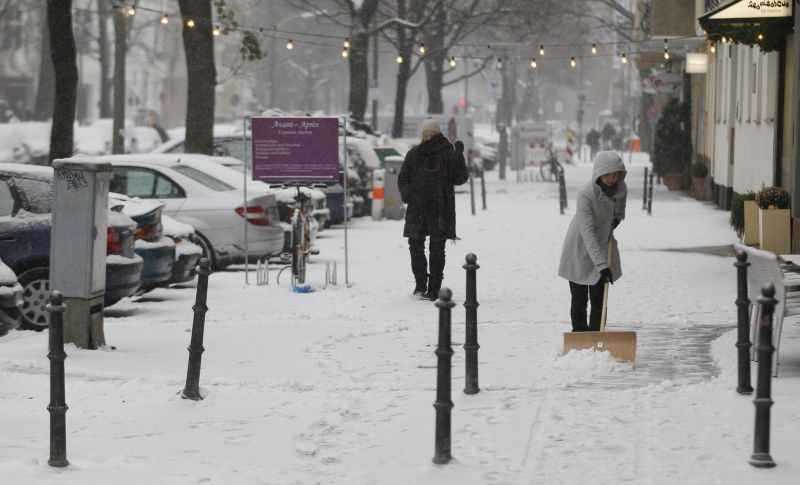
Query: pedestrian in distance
[(427, 179), (593, 140), (599, 210)]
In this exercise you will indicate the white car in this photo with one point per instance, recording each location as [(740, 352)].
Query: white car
[(214, 208)]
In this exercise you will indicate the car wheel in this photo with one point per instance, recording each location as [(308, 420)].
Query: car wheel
[(35, 294), (208, 251)]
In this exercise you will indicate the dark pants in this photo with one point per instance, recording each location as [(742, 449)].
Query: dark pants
[(419, 265), (581, 294)]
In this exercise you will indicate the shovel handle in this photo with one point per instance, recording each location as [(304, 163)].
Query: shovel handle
[(605, 287)]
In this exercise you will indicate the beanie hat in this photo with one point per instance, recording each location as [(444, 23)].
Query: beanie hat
[(430, 124)]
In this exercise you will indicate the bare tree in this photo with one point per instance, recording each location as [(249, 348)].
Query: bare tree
[(46, 87), (59, 22)]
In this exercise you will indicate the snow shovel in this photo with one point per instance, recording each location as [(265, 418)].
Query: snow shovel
[(621, 344)]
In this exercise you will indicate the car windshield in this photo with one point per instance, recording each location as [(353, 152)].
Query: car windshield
[(203, 178)]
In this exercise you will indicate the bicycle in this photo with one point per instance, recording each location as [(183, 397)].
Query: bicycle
[(301, 239), (551, 169)]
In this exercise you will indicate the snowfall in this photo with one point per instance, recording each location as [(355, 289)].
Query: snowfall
[(337, 386)]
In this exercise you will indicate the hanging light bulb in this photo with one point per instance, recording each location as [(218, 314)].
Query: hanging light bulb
[(541, 50), (594, 49), (346, 42), (499, 63), (666, 50), (190, 23), (422, 48), (713, 48), (624, 58), (131, 11), (723, 39), (216, 31), (290, 45), (452, 61), (573, 62), (345, 53), (533, 63), (399, 59), (164, 20), (760, 36)]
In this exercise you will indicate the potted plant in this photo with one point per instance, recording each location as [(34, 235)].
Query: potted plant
[(774, 220), (699, 185), (672, 147)]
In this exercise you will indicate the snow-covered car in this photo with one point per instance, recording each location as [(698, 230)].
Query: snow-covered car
[(105, 127), (10, 300), (156, 250), (34, 138), (26, 203), (187, 253), (91, 141), (11, 150), (193, 196), (227, 141)]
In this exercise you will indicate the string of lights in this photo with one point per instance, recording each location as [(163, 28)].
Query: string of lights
[(624, 50)]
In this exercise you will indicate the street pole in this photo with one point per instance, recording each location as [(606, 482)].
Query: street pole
[(375, 85), (120, 27)]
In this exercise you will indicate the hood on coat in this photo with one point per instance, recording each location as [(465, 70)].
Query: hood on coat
[(608, 162)]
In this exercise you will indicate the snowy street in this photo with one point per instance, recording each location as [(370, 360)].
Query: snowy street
[(337, 386)]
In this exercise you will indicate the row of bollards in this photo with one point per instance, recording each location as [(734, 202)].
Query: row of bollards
[(331, 277), (644, 192), (444, 353), (647, 193), (472, 190), (262, 272), (483, 187), (763, 401)]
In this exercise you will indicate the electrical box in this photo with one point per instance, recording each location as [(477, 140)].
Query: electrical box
[(80, 223)]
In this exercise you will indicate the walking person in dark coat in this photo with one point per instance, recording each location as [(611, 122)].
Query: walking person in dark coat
[(426, 181)]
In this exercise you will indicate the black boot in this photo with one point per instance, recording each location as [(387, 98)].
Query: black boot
[(434, 285), (422, 284)]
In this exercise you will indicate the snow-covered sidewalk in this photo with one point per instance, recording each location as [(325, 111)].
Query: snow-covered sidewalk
[(337, 386)]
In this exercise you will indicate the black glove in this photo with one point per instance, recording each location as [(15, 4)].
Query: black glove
[(614, 224), (459, 147), (606, 276)]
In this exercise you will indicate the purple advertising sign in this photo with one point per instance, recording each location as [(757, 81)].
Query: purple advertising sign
[(295, 149)]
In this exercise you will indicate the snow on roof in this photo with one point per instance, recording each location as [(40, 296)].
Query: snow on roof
[(24, 170)]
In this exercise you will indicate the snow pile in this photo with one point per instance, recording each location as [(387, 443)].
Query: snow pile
[(7, 277), (588, 363)]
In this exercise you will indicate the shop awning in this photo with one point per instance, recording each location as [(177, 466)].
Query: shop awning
[(751, 22)]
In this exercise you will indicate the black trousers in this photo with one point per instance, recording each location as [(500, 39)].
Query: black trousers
[(581, 295), (419, 264)]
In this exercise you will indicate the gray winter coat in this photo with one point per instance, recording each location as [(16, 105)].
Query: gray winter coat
[(586, 243)]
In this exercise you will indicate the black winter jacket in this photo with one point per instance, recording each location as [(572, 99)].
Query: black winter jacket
[(426, 181)]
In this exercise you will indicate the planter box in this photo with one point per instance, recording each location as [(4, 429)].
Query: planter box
[(751, 223), (700, 188), (673, 181), (775, 233)]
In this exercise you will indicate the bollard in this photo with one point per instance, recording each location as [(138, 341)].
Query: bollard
[(743, 320), (262, 272), (644, 194), (562, 192), (763, 401), (58, 406), (192, 389), (650, 197), (472, 192), (483, 187), (471, 342), (443, 404)]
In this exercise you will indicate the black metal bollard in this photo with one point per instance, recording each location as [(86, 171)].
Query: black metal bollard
[(644, 195), (58, 406), (483, 187), (743, 320), (650, 197), (443, 404), (192, 389), (471, 342), (472, 192), (562, 192), (763, 401)]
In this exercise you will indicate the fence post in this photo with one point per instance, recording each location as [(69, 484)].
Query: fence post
[(483, 186), (644, 194), (192, 389), (443, 404), (471, 342), (650, 196), (743, 321), (58, 406), (763, 401)]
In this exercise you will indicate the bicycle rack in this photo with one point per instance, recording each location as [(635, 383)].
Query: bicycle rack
[(262, 273)]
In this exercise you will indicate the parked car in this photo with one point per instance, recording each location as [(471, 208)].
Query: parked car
[(26, 200), (187, 253), (213, 207), (156, 250), (227, 141), (10, 300)]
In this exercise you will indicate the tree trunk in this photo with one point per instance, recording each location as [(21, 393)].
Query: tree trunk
[(103, 10), (59, 22), (46, 89), (198, 44), (403, 72), (434, 63), (359, 75)]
